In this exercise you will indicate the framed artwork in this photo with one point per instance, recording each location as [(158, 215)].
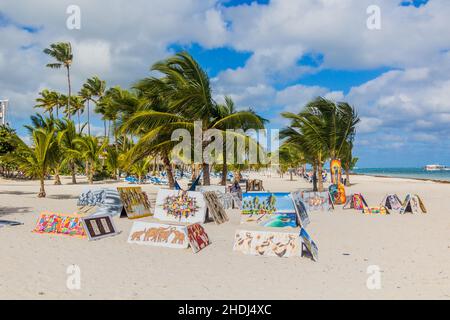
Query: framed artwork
[(100, 201), (263, 243), (180, 206), (60, 224), (300, 208), (316, 201), (198, 239), (135, 202), (100, 226), (158, 234)]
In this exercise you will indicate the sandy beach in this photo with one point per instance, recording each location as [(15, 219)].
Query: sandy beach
[(412, 252)]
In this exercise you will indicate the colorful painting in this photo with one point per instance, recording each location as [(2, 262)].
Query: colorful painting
[(300, 208), (269, 209), (135, 202), (316, 201), (100, 201), (157, 234), (337, 193), (180, 206), (198, 239), (60, 224), (262, 243), (375, 210), (308, 246), (355, 201), (99, 226), (336, 171)]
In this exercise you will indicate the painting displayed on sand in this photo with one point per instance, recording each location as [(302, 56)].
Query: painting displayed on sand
[(375, 210), (316, 201), (337, 193), (99, 226), (100, 201), (392, 202), (180, 206), (135, 202), (198, 239), (158, 234), (355, 201), (413, 204), (309, 248), (269, 209), (263, 243), (300, 208), (60, 224), (336, 171)]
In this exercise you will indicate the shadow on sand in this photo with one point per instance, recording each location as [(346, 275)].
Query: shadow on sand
[(9, 210)]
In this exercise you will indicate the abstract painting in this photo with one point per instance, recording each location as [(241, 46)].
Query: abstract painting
[(198, 239), (158, 234), (263, 243), (99, 226), (392, 202), (375, 210), (135, 202), (180, 206), (60, 224), (100, 201)]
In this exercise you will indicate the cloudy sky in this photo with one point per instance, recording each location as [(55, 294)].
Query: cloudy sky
[(271, 55)]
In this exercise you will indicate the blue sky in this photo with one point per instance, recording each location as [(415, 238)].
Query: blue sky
[(272, 56)]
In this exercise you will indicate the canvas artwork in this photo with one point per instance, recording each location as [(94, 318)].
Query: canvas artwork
[(300, 208), (375, 210), (135, 202), (336, 171), (180, 206), (217, 189), (269, 209), (100, 201), (158, 234), (198, 239), (413, 204), (355, 201), (392, 202), (316, 201), (99, 226), (308, 246), (262, 243), (60, 224), (337, 193)]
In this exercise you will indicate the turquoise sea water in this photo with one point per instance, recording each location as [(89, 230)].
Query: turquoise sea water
[(419, 173)]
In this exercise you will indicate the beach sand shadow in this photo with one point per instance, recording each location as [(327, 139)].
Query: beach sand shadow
[(62, 196), (17, 193), (9, 210)]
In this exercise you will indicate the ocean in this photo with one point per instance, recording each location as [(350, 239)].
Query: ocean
[(418, 173)]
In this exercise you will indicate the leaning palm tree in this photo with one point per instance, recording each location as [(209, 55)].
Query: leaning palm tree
[(62, 53), (67, 135), (93, 90), (86, 97), (91, 149), (36, 160)]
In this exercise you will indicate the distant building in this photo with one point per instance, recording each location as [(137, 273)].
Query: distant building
[(3, 109)]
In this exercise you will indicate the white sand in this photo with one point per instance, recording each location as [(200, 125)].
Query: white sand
[(413, 252)]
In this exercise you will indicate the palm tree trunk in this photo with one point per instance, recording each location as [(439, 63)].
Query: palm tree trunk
[(88, 119), (42, 193), (347, 176), (224, 169), (314, 177), (57, 177), (91, 173), (169, 172), (104, 124), (79, 123), (319, 176), (206, 178), (70, 91), (73, 170)]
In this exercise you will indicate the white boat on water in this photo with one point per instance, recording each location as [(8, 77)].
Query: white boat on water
[(436, 167)]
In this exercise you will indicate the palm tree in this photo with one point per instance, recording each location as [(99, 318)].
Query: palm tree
[(91, 149), (141, 167), (35, 161), (62, 53), (48, 100), (112, 161), (67, 135), (290, 157), (77, 106), (348, 161), (229, 118), (94, 87)]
